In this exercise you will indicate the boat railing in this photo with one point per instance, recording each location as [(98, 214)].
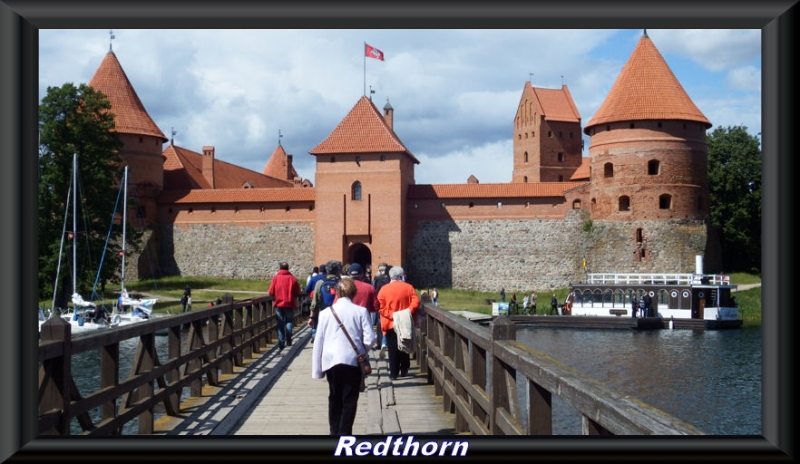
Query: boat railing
[(658, 278)]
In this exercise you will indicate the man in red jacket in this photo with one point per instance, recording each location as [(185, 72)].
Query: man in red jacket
[(284, 290)]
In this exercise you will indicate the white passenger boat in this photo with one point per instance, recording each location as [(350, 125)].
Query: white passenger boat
[(672, 296)]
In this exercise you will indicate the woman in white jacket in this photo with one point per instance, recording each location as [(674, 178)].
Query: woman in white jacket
[(334, 358)]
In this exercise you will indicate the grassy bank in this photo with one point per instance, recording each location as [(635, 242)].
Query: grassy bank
[(170, 289)]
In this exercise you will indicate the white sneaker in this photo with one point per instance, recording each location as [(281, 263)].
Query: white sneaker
[(383, 351)]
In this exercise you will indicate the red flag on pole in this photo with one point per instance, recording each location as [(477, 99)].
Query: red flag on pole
[(373, 52)]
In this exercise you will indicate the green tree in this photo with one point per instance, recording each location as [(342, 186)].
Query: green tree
[(734, 175), (77, 120)]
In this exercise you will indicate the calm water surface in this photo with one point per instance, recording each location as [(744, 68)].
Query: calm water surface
[(710, 379)]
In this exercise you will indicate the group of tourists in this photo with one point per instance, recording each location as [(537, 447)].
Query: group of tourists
[(350, 314)]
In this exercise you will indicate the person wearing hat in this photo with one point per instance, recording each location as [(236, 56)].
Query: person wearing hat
[(366, 295)]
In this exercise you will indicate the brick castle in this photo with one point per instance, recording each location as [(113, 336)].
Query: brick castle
[(638, 203)]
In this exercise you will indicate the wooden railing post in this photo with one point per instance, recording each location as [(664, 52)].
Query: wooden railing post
[(109, 377), (503, 376), (55, 375)]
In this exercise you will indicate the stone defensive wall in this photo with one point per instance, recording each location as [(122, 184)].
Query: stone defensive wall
[(519, 254)]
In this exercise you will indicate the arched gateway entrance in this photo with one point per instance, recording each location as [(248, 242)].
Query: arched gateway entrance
[(361, 254)]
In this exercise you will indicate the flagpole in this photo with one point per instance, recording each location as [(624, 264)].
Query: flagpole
[(365, 68)]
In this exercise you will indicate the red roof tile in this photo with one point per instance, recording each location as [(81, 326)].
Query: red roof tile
[(263, 195), (556, 104), (183, 170), (363, 130), (646, 89), (278, 165), (511, 190), (131, 117), (582, 173)]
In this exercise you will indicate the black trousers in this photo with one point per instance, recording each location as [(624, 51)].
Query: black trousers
[(398, 360), (344, 382)]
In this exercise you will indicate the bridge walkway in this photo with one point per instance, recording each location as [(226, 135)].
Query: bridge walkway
[(274, 394)]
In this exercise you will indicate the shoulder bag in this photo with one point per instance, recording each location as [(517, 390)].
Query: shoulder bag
[(363, 361)]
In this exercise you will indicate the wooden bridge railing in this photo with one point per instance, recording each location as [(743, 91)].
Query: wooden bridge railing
[(474, 368), (218, 338)]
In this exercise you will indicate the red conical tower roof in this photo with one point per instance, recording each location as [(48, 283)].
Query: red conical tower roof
[(131, 117), (646, 89)]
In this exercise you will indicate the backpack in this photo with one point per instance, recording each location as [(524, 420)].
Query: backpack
[(327, 291)]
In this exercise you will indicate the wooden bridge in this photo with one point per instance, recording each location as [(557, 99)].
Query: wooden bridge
[(229, 379)]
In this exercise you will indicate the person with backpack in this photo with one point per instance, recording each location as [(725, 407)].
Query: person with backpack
[(324, 293)]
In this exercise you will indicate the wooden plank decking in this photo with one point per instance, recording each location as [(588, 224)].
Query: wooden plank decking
[(275, 395)]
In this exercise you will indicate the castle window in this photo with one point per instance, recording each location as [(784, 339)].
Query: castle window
[(549, 133), (576, 204), (527, 204), (471, 204), (665, 201), (639, 235), (624, 203), (519, 136), (525, 179), (561, 178), (653, 167), (355, 191), (213, 210), (191, 210), (263, 209), (560, 157), (288, 208), (499, 204), (526, 156), (333, 159), (594, 203), (608, 170), (533, 133)]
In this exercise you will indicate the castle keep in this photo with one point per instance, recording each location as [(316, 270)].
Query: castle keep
[(638, 203)]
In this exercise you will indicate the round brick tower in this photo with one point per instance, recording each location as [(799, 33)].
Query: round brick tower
[(648, 149), (142, 139)]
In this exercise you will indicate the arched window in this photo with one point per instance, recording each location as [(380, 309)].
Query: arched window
[(608, 170), (525, 179), (652, 167), (665, 201), (356, 190), (624, 203)]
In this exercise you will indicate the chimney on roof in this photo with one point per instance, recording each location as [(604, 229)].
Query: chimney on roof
[(388, 114), (208, 165), (288, 167)]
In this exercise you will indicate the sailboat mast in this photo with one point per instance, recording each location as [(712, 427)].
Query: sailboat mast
[(74, 223), (124, 222)]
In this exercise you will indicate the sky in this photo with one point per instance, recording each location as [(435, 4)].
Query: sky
[(454, 92)]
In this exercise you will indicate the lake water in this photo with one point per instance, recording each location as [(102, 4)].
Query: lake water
[(710, 379)]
